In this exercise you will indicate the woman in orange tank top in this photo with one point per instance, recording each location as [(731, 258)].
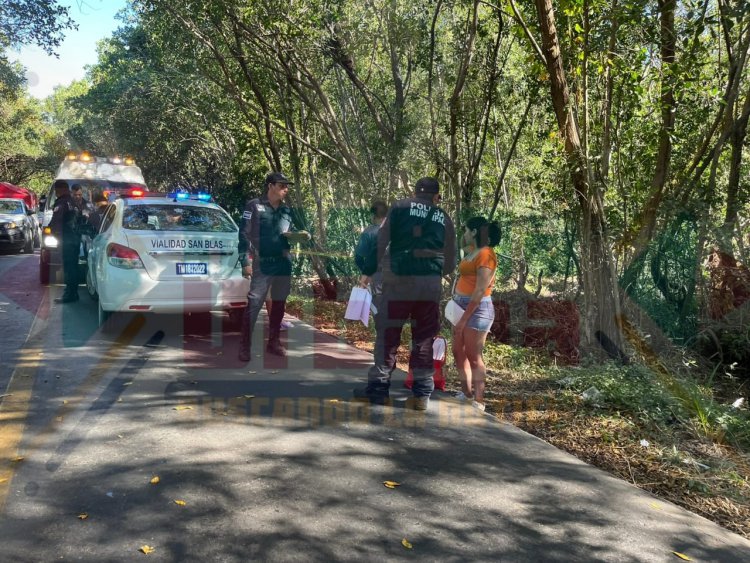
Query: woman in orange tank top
[(473, 294)]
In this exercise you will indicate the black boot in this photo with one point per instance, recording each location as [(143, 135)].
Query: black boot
[(274, 347), (376, 395), (244, 352), (67, 297)]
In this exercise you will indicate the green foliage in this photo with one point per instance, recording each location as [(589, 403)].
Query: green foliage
[(639, 392), (665, 283), (33, 22)]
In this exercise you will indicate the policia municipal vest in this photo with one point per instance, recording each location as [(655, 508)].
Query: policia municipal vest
[(417, 233)]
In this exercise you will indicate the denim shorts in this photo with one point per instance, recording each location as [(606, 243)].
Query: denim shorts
[(483, 316)]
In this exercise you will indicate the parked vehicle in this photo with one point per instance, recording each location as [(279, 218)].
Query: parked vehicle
[(166, 254), (112, 176), (9, 191), (17, 226)]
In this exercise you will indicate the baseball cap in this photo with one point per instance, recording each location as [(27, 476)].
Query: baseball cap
[(277, 178), (427, 185)]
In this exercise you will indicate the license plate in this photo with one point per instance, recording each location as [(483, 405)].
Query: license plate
[(191, 268)]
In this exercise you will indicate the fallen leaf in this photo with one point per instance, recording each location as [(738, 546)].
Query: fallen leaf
[(3, 480), (406, 543), (65, 402), (146, 549), (180, 502), (155, 480), (119, 400), (119, 435), (18, 458), (682, 556), (182, 408), (251, 372), (391, 484), (128, 383), (83, 516)]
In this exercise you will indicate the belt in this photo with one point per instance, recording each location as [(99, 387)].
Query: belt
[(270, 258)]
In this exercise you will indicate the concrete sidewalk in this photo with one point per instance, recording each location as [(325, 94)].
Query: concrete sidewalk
[(276, 462)]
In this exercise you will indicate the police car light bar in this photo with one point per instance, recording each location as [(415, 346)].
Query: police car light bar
[(183, 196)]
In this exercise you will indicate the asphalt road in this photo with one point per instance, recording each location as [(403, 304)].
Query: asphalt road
[(273, 461)]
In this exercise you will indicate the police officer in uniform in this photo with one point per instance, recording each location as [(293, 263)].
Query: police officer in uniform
[(421, 243), (265, 257), (64, 226)]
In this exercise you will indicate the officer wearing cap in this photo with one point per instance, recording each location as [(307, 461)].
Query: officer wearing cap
[(64, 226), (265, 258), (421, 244)]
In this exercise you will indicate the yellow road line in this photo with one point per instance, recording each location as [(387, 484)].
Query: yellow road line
[(15, 406), (13, 411)]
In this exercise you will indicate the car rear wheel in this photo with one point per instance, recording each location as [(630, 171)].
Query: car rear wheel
[(90, 287), (103, 316)]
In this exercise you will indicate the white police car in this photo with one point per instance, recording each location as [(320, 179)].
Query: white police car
[(163, 253)]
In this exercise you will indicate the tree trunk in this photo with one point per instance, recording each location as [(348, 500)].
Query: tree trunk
[(602, 299), (647, 222), (734, 201)]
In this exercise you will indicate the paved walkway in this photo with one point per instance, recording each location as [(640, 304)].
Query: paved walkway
[(275, 462)]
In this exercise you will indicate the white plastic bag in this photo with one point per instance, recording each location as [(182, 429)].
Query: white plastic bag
[(438, 349), (358, 308), (453, 312)]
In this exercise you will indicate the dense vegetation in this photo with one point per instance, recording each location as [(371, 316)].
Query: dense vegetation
[(610, 138)]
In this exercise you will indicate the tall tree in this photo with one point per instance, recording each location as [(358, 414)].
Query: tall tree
[(602, 308)]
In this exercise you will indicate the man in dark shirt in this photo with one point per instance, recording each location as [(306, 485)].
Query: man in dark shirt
[(97, 215), (366, 253), (64, 226), (421, 244), (265, 257)]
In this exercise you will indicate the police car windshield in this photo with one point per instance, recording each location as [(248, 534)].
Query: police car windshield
[(156, 217), (11, 207)]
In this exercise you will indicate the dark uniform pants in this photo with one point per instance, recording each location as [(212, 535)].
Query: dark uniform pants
[(70, 252), (277, 277), (414, 298)]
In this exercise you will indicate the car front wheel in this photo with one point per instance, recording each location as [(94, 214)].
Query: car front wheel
[(44, 269), (28, 248)]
